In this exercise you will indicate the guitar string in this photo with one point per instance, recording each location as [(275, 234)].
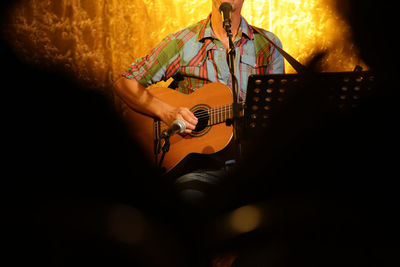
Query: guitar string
[(210, 114), (215, 111), (207, 115)]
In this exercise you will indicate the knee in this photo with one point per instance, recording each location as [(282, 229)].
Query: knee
[(192, 197)]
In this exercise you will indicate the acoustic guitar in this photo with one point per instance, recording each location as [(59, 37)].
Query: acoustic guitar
[(211, 104)]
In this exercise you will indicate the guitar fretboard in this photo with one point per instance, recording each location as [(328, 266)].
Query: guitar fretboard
[(207, 117), (219, 115)]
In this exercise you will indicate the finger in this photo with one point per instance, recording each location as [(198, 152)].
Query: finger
[(191, 119), (187, 131), (190, 126), (189, 116)]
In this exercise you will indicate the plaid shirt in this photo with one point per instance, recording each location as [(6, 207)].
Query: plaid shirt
[(194, 57)]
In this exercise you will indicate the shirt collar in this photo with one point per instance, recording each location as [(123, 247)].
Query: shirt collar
[(247, 30), (206, 31)]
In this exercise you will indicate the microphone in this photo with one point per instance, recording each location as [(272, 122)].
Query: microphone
[(178, 126), (225, 9)]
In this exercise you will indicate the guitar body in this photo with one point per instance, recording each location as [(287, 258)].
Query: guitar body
[(206, 139)]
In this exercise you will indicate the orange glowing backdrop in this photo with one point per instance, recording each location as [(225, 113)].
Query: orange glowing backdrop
[(98, 39)]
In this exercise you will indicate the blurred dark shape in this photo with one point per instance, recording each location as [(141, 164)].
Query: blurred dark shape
[(69, 165), (326, 178), (374, 27), (66, 159), (323, 183)]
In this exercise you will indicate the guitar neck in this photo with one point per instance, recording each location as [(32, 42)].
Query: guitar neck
[(220, 114)]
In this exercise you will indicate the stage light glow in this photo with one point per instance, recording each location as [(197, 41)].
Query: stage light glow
[(98, 39), (245, 219)]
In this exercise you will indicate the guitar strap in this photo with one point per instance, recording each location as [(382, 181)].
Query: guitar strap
[(295, 64)]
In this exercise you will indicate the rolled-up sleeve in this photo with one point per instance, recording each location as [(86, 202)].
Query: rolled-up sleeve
[(160, 64)]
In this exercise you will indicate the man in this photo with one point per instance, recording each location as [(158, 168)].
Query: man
[(195, 56)]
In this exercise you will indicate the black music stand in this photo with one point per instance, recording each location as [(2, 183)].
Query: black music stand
[(341, 92)]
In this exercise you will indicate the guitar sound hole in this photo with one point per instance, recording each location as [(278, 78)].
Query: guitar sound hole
[(203, 117)]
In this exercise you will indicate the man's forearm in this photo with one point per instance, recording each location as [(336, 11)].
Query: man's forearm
[(137, 97)]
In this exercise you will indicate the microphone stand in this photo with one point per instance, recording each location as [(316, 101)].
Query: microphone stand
[(236, 107), (165, 148)]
